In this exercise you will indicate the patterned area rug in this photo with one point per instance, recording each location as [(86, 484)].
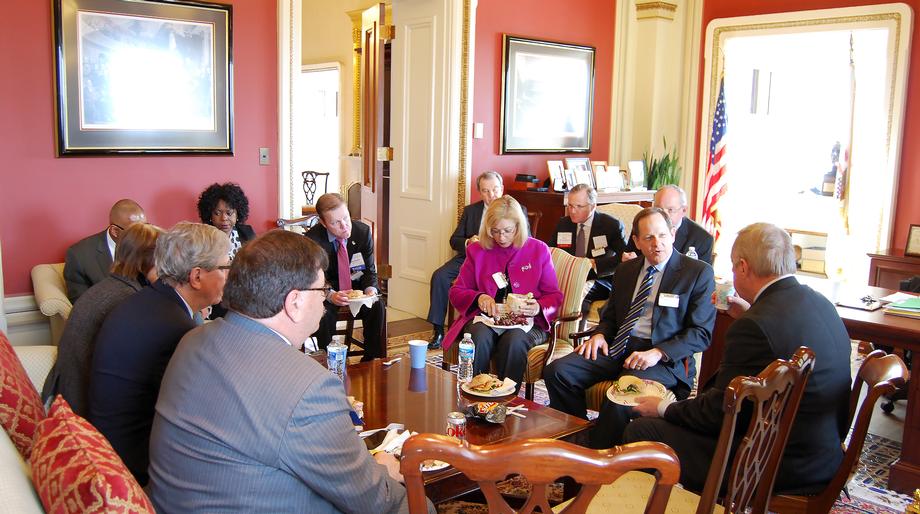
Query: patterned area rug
[(867, 490)]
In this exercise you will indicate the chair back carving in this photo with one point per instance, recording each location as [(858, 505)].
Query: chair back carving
[(774, 395), (882, 375), (542, 462)]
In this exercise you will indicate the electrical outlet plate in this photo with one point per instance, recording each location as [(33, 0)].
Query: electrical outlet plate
[(264, 159)]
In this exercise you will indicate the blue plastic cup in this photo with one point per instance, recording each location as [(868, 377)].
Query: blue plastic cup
[(418, 350)]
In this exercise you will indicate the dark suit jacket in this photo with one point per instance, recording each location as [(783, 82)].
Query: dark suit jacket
[(785, 316), (361, 242), (677, 331), (602, 225), (87, 263), (469, 225), (133, 348), (241, 410), (70, 375), (690, 233)]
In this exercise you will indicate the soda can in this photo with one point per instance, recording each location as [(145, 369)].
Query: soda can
[(456, 425)]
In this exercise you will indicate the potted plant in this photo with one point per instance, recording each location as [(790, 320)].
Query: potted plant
[(661, 171)]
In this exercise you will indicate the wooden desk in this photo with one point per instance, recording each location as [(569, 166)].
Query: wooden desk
[(421, 400), (887, 268), (552, 205), (875, 327)]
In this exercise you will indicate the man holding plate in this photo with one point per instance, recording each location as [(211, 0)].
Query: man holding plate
[(659, 314), (352, 272)]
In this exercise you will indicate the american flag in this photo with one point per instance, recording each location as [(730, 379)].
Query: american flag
[(715, 180)]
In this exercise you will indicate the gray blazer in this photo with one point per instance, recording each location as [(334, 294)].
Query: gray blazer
[(246, 423), (70, 375), (87, 263)]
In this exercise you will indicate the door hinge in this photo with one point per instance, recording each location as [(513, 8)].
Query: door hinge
[(384, 153)]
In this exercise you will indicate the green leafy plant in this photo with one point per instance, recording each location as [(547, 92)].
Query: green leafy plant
[(661, 171)]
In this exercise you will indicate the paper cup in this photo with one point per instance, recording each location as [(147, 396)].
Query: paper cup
[(418, 350), (724, 289)]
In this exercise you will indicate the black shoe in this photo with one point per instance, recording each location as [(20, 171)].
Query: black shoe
[(436, 341)]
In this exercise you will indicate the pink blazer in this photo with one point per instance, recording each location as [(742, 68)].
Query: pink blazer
[(530, 270)]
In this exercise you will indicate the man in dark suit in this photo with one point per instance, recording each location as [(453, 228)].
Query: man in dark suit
[(88, 260), (775, 315), (490, 187), (689, 233), (349, 246), (595, 235), (138, 337), (241, 409), (659, 314)]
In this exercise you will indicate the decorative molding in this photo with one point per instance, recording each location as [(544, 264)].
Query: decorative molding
[(661, 10), (419, 241), (356, 80), (464, 107)]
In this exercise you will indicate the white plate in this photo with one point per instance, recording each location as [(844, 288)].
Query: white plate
[(433, 465), (489, 322), (652, 388), (362, 298), (506, 389)]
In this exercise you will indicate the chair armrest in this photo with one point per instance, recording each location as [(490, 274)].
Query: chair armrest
[(577, 336), (49, 291), (37, 361), (567, 318)]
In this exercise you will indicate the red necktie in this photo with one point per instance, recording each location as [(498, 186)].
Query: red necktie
[(344, 271)]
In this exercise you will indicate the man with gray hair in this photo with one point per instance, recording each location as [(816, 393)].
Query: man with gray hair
[(598, 236), (673, 200), (775, 315), (138, 337), (490, 187), (242, 408)]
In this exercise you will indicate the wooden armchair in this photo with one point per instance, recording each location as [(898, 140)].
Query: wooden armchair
[(775, 395), (303, 223), (571, 274), (882, 375), (541, 461)]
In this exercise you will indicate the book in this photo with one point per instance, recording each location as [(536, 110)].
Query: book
[(909, 308), (813, 266), (815, 253)]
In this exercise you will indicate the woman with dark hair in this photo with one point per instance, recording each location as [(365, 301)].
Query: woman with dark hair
[(132, 269), (226, 207)]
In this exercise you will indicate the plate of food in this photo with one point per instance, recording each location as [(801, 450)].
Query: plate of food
[(433, 465), (509, 320), (356, 295), (489, 386), (628, 388)]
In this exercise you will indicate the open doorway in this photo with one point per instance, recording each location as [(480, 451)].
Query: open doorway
[(813, 130), (316, 143)]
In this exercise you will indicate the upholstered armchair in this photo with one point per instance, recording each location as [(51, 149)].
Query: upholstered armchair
[(51, 296)]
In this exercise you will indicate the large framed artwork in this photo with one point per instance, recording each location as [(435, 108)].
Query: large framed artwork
[(548, 96), (143, 76)]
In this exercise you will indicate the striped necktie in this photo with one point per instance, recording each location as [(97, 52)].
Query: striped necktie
[(635, 310)]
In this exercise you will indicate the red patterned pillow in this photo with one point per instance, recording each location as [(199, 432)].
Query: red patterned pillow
[(75, 469), (20, 405)]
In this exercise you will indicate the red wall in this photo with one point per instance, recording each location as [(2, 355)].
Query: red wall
[(47, 203), (584, 22), (907, 209)]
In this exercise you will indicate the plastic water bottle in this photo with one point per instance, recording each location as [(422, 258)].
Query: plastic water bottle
[(467, 351), (336, 354), (691, 252)]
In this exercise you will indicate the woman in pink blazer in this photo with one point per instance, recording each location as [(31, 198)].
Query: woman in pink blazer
[(504, 259)]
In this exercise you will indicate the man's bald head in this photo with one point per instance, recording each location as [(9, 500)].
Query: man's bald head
[(124, 213)]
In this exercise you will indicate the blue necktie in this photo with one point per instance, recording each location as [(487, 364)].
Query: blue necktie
[(635, 310)]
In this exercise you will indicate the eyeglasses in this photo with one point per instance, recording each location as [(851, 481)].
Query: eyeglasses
[(116, 225), (325, 289), (579, 207), (495, 232)]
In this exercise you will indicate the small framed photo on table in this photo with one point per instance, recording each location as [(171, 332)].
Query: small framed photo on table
[(557, 175), (912, 247)]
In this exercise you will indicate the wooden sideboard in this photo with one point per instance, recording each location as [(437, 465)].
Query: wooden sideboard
[(552, 205), (887, 268)]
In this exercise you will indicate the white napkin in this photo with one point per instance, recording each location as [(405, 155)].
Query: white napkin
[(355, 305), (393, 441)]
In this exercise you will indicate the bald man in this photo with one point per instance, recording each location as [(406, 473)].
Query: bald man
[(673, 200), (88, 261)]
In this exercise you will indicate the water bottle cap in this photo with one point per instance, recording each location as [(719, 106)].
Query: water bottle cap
[(691, 249), (467, 335)]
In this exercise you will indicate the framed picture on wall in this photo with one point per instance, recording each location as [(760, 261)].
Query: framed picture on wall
[(547, 96), (143, 76), (913, 241)]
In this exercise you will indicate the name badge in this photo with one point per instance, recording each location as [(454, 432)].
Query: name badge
[(600, 241), (500, 279), (564, 239), (597, 251), (668, 300), (357, 262)]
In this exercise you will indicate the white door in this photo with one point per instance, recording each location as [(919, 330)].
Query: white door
[(424, 135)]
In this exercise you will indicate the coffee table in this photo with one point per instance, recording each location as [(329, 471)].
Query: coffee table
[(421, 400)]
